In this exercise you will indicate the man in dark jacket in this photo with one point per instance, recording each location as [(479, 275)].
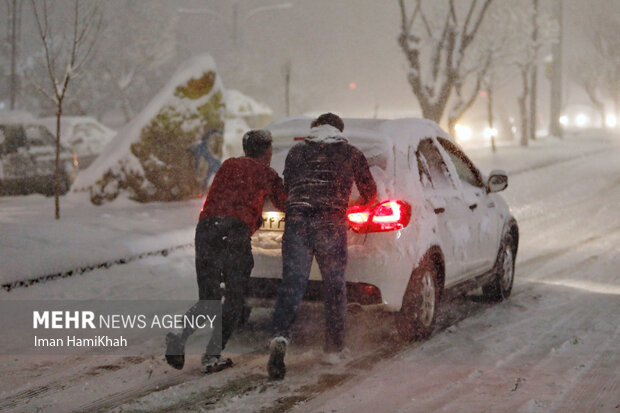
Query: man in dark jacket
[(230, 215), (318, 178)]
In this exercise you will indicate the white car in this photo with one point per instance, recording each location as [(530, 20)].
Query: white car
[(438, 226), (28, 156), (84, 136)]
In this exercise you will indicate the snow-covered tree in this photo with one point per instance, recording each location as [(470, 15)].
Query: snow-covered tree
[(436, 38), (530, 29), (135, 40), (586, 72), (496, 37), (599, 72), (66, 49), (482, 66)]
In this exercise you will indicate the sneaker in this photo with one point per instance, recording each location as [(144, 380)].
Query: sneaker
[(175, 351), (339, 357), (213, 364), (275, 366)]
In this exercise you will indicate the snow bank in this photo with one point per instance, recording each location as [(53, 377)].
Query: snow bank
[(34, 244), (149, 158)]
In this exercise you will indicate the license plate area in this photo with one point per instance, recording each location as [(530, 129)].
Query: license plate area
[(273, 221)]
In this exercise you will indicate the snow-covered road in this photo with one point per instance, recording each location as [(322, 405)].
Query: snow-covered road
[(554, 345), (551, 347)]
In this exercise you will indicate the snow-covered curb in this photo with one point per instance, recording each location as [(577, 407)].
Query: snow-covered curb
[(86, 268)]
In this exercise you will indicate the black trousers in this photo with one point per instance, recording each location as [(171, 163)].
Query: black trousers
[(223, 254)]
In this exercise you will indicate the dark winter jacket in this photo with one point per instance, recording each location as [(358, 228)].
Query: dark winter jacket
[(319, 175), (239, 188)]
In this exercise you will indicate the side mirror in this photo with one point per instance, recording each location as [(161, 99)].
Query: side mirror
[(498, 180)]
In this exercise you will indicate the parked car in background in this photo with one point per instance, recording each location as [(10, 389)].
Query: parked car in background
[(27, 156), (84, 136), (439, 227)]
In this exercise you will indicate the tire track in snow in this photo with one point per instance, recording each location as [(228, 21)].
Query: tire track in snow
[(455, 389), (57, 383), (598, 386), (540, 368), (548, 256)]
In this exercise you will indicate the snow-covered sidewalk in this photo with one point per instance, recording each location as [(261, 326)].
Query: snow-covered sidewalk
[(34, 244)]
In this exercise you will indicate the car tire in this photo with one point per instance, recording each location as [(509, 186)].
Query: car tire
[(416, 319), (500, 286)]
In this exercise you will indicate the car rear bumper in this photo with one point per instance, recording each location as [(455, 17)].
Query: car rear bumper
[(360, 293)]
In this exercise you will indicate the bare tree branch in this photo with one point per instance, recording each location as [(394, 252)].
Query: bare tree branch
[(40, 88), (470, 36), (429, 31), (453, 12)]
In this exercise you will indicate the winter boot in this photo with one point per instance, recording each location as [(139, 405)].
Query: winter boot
[(275, 366), (213, 364), (175, 351)]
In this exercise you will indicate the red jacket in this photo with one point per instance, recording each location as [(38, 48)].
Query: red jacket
[(239, 189)]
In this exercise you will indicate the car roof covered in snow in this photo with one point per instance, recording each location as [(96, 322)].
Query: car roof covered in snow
[(11, 117), (361, 131)]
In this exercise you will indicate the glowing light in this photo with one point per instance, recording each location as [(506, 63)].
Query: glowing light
[(564, 120), (387, 216), (352, 85), (611, 121), (582, 120), (358, 217), (463, 133), (483, 93), (490, 132), (387, 212)]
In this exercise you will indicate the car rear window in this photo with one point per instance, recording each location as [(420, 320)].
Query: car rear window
[(375, 152)]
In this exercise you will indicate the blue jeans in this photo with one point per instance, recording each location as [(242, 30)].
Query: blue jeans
[(303, 239)]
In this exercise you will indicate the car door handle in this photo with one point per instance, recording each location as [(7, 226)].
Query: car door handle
[(440, 210), (473, 206)]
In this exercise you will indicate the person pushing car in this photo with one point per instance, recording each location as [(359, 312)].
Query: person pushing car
[(318, 178), (230, 215)]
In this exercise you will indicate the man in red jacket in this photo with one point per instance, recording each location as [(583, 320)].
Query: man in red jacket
[(230, 215)]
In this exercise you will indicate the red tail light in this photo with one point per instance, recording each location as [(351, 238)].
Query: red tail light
[(387, 216)]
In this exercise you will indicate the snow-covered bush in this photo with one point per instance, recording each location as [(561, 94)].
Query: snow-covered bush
[(150, 158)]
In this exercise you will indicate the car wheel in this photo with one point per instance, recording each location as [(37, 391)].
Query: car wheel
[(500, 286), (416, 318)]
